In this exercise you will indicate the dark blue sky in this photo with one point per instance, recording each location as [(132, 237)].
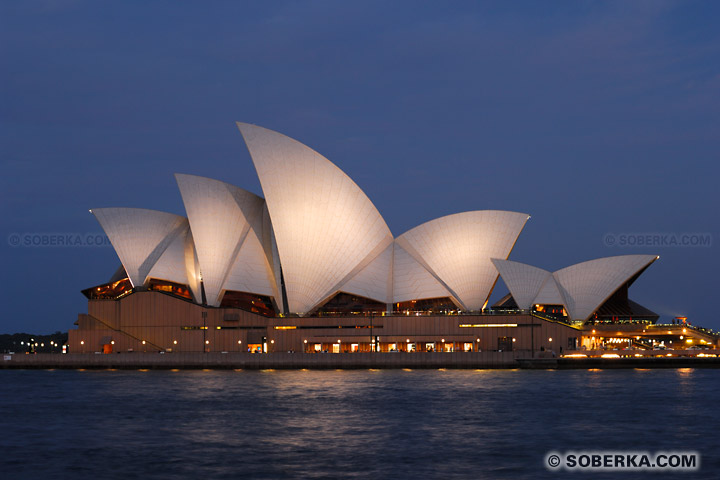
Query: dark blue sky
[(596, 118)]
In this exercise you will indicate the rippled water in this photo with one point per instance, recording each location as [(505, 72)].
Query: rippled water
[(346, 424)]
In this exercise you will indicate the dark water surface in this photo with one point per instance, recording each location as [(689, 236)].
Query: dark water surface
[(347, 424)]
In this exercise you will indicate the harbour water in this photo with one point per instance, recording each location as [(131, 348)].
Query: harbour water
[(347, 423)]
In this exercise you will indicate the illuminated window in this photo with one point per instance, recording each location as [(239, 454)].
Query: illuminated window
[(260, 304), (350, 304), (488, 325), (110, 291), (176, 289)]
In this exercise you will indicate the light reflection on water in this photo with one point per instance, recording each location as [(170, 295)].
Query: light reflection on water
[(343, 423)]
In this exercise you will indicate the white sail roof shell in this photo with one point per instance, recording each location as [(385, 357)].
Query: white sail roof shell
[(524, 281), (192, 266), (324, 224), (550, 294), (139, 236), (323, 234), (581, 288), (221, 217), (251, 271), (457, 249), (411, 281), (271, 253), (375, 280), (173, 264), (586, 286)]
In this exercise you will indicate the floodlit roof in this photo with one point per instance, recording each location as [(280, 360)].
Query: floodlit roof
[(581, 288), (139, 236), (375, 279), (316, 233), (588, 285), (412, 281), (171, 264), (324, 224), (457, 249), (226, 223), (524, 281)]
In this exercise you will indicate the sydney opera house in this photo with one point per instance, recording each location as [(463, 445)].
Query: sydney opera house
[(313, 267)]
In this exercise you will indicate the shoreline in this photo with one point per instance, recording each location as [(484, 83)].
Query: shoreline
[(296, 361)]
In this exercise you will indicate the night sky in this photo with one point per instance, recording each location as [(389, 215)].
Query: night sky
[(596, 118)]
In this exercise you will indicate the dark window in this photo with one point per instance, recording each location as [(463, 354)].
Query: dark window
[(505, 344)]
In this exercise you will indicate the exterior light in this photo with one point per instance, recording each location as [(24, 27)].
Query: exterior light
[(550, 339), (272, 341), (338, 340), (407, 341), (174, 342), (239, 342), (478, 340), (82, 342), (112, 342), (443, 340), (681, 337), (515, 339), (143, 342), (207, 342), (304, 341)]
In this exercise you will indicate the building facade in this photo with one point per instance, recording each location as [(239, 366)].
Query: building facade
[(313, 267)]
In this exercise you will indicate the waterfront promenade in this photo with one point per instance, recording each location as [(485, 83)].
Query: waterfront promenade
[(237, 360)]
